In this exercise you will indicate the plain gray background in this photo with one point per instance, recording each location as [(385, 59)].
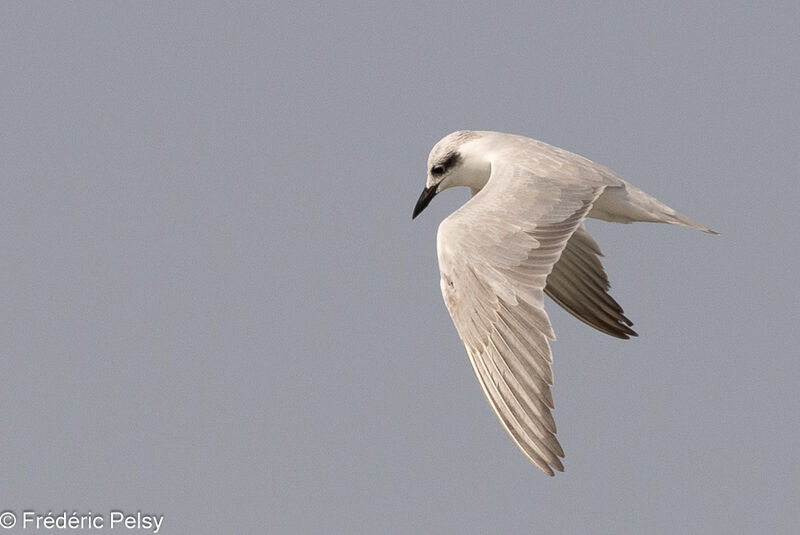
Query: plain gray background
[(216, 307)]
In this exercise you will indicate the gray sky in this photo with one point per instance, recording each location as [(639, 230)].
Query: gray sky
[(216, 307)]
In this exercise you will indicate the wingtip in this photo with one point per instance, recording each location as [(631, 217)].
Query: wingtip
[(550, 467), (547, 470), (552, 470), (626, 331)]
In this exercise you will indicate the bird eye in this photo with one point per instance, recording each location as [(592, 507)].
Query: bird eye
[(437, 170)]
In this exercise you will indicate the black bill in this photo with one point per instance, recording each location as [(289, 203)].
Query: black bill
[(424, 200)]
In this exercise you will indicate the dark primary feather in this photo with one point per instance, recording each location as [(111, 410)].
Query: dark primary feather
[(579, 283)]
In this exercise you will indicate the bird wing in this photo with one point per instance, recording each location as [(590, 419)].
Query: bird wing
[(495, 254), (579, 283)]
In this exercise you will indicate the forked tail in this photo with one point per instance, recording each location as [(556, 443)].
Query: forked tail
[(626, 204)]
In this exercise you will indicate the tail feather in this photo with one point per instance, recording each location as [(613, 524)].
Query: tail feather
[(677, 218), (627, 203)]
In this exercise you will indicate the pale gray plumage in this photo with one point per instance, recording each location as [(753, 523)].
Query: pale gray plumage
[(520, 236)]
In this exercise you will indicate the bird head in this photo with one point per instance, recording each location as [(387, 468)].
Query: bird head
[(455, 161)]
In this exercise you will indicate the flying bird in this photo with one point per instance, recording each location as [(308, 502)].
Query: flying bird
[(520, 236)]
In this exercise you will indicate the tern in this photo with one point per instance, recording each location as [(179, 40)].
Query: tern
[(521, 235)]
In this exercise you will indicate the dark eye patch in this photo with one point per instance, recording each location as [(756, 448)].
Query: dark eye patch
[(452, 159)]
